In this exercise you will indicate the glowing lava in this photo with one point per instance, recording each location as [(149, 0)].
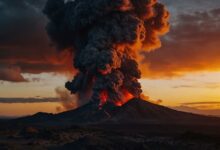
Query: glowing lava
[(103, 98), (126, 96)]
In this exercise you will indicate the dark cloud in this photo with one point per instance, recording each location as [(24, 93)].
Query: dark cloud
[(180, 6), (208, 108), (209, 85), (24, 42), (184, 86), (199, 103), (21, 25), (191, 46), (28, 100), (212, 112)]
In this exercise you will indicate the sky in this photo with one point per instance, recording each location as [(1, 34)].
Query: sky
[(183, 74)]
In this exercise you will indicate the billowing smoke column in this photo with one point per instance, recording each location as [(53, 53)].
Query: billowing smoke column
[(106, 37)]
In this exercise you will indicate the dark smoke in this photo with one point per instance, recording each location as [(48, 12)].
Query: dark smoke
[(106, 37)]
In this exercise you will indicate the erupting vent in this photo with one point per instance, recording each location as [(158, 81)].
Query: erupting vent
[(106, 38)]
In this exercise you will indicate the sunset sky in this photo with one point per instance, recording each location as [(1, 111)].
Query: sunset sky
[(184, 73)]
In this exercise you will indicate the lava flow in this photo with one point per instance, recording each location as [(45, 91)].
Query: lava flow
[(106, 37)]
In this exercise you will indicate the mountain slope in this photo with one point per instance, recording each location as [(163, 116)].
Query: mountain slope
[(140, 111), (135, 111)]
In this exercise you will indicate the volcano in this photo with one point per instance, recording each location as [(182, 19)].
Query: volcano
[(136, 111)]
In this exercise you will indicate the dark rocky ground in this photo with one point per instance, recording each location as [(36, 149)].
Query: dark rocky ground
[(111, 137)]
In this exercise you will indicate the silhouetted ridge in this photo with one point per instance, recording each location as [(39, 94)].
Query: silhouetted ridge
[(136, 111)]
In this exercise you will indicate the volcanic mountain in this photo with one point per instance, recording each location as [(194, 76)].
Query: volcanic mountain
[(136, 111)]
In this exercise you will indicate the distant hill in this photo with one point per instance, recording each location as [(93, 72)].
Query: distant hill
[(7, 117), (213, 112)]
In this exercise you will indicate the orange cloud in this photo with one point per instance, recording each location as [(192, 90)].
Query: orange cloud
[(191, 46), (11, 73), (13, 66)]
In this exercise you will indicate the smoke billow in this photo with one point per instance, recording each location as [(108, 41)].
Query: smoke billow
[(68, 101), (106, 37)]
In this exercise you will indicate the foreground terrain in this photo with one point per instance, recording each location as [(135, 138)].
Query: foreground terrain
[(114, 137)]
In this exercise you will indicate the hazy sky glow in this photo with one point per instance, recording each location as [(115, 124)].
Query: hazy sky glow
[(186, 69)]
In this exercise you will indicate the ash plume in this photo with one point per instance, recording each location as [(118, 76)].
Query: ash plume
[(106, 37)]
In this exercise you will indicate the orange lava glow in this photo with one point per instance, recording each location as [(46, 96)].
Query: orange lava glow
[(127, 96), (126, 6), (104, 72), (103, 98)]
